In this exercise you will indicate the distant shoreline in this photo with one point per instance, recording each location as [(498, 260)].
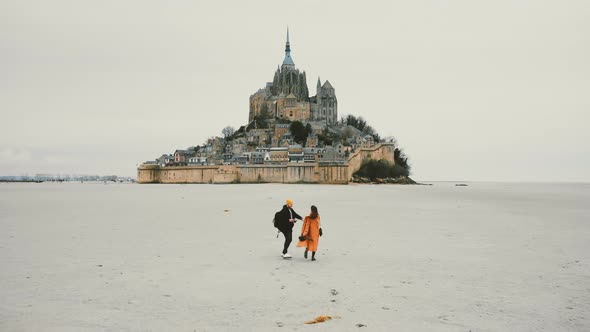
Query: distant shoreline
[(34, 181), (67, 181)]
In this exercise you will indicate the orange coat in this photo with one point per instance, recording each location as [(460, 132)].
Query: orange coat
[(311, 230)]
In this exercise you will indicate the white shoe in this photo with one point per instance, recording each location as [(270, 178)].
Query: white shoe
[(287, 255)]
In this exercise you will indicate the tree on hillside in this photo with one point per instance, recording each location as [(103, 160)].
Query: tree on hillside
[(228, 132), (299, 132), (351, 120), (326, 138), (346, 133), (308, 129), (368, 130), (400, 159), (360, 124), (380, 169), (390, 139), (239, 132)]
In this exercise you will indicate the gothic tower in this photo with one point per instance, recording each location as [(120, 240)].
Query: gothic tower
[(288, 79), (288, 62), (326, 103)]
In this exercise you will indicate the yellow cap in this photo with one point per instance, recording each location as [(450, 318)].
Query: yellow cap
[(289, 202)]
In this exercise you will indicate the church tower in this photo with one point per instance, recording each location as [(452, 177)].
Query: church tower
[(326, 103), (288, 62), (289, 79), (318, 101)]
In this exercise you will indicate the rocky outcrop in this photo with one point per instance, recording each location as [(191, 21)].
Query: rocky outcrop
[(400, 180)]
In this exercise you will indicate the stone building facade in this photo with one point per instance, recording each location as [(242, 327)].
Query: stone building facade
[(324, 105)]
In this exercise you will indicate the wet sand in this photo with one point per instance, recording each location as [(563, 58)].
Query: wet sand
[(127, 257)]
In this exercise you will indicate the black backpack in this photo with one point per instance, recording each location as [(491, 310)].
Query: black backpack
[(276, 219)]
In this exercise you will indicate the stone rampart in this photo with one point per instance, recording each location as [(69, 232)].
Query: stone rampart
[(332, 173), (377, 152)]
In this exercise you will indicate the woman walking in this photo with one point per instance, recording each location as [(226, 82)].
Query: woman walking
[(310, 233)]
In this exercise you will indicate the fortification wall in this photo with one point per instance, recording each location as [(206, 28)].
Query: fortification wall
[(263, 173), (377, 152), (148, 173), (288, 173), (186, 174)]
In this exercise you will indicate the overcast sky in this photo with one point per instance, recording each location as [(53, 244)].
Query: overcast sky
[(472, 90)]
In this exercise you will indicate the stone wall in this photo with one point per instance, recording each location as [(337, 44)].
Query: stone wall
[(289, 173), (334, 174), (186, 174), (377, 152), (284, 173)]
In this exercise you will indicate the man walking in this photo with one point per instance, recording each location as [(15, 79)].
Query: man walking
[(287, 218)]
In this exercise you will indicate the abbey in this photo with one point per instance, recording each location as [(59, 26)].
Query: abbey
[(287, 97)]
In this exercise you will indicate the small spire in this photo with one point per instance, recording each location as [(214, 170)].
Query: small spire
[(288, 45)]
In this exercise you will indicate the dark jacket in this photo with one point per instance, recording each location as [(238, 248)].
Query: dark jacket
[(284, 215)]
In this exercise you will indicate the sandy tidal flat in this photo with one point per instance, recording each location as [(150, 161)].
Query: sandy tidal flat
[(128, 257)]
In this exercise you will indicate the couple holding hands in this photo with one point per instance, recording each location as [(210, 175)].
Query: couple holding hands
[(310, 231)]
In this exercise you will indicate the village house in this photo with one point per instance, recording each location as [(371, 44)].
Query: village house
[(257, 157), (331, 155), (256, 137), (368, 141), (310, 155), (238, 146), (179, 156), (312, 141), (280, 130), (295, 153), (340, 148), (197, 160), (241, 159), (279, 155), (165, 160)]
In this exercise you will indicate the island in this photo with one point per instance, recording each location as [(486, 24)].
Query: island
[(290, 137)]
